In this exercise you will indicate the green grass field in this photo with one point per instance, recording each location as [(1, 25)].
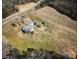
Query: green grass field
[(51, 37)]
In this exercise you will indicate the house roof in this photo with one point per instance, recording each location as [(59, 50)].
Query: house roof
[(28, 27)]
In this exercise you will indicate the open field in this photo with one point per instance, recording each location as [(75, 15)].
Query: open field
[(57, 34), (63, 29), (25, 6)]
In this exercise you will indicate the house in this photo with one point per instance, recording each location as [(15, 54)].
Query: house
[(28, 27)]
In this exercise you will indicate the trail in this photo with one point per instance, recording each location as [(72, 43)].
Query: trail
[(9, 18)]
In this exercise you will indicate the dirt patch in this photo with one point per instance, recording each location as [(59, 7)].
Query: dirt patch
[(26, 6)]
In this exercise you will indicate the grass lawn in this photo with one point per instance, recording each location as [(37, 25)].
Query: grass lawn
[(52, 37)]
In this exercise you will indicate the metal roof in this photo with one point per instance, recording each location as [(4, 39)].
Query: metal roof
[(28, 27)]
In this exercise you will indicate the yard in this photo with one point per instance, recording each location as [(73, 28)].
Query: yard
[(52, 35)]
